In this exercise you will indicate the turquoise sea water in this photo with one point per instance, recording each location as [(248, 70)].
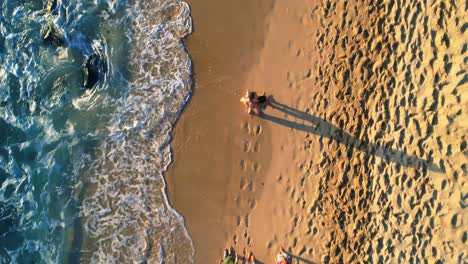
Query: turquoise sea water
[(81, 169)]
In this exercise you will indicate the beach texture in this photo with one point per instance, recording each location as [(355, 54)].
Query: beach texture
[(364, 157)]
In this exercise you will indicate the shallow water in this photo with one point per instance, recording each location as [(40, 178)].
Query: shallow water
[(81, 170)]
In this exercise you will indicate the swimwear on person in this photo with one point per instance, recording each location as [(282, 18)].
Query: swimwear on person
[(257, 103), (250, 101), (282, 257)]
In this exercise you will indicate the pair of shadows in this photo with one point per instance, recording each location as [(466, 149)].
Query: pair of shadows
[(323, 128)]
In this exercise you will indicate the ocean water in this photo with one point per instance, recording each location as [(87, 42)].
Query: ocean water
[(81, 169)]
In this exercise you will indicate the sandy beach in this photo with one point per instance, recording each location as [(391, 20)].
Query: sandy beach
[(364, 157)]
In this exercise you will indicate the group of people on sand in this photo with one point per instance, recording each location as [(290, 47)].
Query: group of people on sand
[(255, 103), (230, 257)]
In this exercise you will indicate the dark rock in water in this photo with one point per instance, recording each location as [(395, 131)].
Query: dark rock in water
[(2, 45), (92, 68), (51, 5), (10, 134), (51, 35)]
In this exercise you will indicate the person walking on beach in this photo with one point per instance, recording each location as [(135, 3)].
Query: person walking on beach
[(250, 259), (258, 103), (282, 257), (250, 101), (229, 257), (263, 101)]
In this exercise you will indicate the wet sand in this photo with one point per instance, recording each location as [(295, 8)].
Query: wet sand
[(363, 159), (208, 145)]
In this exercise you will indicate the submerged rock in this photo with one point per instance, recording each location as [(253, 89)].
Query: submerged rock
[(9, 134), (52, 35), (92, 69), (2, 45)]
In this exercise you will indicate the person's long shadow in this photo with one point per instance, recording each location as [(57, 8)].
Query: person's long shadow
[(323, 128), (300, 260)]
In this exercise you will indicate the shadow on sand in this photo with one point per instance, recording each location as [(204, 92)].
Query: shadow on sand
[(300, 260), (323, 128)]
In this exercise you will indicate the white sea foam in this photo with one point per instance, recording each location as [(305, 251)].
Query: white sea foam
[(126, 212), (50, 162)]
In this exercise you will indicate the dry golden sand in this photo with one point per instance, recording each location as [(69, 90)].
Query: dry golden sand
[(364, 159)]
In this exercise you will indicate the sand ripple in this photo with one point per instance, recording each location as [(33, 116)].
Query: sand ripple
[(392, 183)]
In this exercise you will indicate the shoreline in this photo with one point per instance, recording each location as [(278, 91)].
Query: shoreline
[(203, 176), (364, 152)]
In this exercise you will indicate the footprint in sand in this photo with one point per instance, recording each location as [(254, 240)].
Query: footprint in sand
[(246, 147), (251, 147), (252, 203), (242, 165), (238, 220), (251, 186), (243, 183), (255, 166), (246, 127), (237, 200), (258, 130), (256, 146)]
